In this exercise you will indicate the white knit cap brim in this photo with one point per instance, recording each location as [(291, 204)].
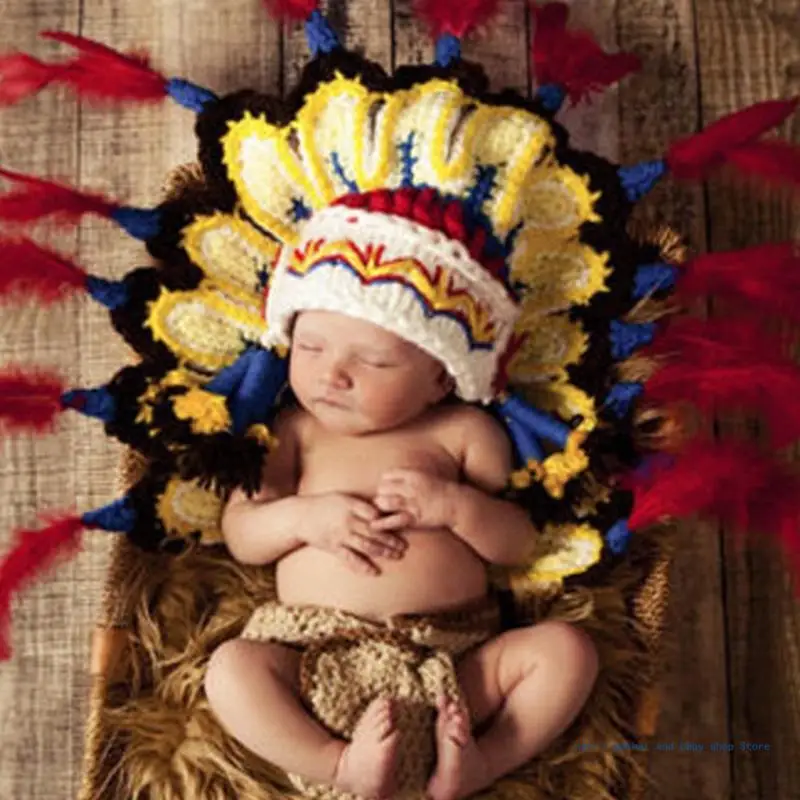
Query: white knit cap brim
[(391, 304)]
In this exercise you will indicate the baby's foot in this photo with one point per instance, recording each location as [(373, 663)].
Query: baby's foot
[(461, 768), (367, 764)]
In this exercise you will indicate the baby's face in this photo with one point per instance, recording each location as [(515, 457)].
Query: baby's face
[(356, 377)]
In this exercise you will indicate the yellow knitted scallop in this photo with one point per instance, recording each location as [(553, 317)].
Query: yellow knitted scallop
[(557, 274), (551, 346), (564, 550), (184, 507), (203, 327), (231, 253)]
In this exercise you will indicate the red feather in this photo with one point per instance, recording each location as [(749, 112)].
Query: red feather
[(456, 17), (719, 342), (29, 400), (573, 59), (28, 268), (694, 156), (734, 482), (773, 161), (770, 389), (22, 76), (766, 278), (38, 198), (291, 9), (731, 363), (97, 73), (102, 73), (34, 552)]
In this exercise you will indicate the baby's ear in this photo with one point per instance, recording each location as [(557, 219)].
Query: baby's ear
[(445, 383)]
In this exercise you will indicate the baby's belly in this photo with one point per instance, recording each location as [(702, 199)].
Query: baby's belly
[(437, 571)]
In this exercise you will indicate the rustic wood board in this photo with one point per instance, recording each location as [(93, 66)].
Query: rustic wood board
[(126, 152), (747, 53), (732, 653)]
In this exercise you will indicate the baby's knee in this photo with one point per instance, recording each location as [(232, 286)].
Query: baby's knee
[(571, 648), (224, 667)]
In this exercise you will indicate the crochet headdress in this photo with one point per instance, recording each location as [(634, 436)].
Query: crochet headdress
[(463, 221)]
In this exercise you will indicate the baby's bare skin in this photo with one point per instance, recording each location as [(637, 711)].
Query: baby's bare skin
[(436, 570), (370, 460)]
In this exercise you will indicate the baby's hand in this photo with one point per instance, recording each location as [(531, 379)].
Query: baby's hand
[(417, 498), (340, 524)]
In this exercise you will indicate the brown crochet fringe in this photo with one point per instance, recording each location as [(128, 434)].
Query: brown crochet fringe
[(151, 734)]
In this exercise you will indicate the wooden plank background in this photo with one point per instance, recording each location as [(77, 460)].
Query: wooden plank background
[(732, 657)]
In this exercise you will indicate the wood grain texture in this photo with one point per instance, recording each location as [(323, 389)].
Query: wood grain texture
[(657, 106), (42, 690), (749, 52), (730, 670), (127, 153)]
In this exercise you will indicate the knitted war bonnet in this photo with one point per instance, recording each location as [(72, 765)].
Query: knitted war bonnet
[(461, 220)]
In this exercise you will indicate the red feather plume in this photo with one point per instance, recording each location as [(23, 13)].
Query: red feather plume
[(734, 482), (733, 364), (766, 278), (97, 73), (37, 198), (772, 161), (30, 269), (456, 17), (34, 552), (573, 59), (768, 389), (732, 139), (29, 400), (291, 9), (22, 76)]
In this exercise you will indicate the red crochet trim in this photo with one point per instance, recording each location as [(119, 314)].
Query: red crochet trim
[(426, 207)]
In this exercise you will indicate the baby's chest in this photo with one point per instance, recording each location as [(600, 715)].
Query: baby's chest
[(356, 466)]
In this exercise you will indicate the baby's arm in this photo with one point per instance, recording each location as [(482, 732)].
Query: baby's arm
[(262, 529), (500, 531)]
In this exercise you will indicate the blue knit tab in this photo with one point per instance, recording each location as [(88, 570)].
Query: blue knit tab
[(448, 49), (119, 516), (258, 389), (639, 179), (626, 337), (227, 381), (98, 403), (618, 537), (141, 223), (536, 422), (189, 95), (621, 396), (551, 96), (111, 294), (653, 278), (321, 37)]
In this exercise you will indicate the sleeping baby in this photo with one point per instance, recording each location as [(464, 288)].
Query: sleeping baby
[(379, 508)]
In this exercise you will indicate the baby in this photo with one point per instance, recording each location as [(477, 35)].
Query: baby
[(378, 501)]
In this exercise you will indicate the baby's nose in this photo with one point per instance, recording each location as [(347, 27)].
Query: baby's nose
[(336, 377)]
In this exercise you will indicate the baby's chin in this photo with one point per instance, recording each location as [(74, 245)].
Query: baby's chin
[(342, 421)]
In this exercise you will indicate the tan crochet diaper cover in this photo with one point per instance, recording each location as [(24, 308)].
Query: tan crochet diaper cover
[(349, 660)]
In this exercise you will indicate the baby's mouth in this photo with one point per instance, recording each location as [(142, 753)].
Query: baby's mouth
[(332, 403)]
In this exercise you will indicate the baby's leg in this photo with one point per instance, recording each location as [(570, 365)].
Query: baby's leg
[(529, 684), (253, 689)]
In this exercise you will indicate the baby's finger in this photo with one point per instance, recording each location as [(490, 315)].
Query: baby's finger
[(363, 510), (392, 523), (375, 543), (359, 562), (389, 502)]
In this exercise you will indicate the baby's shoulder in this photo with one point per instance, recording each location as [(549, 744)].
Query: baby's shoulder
[(292, 422), (462, 423)]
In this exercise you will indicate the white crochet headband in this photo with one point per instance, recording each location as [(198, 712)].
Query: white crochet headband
[(413, 281)]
